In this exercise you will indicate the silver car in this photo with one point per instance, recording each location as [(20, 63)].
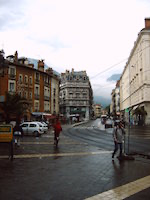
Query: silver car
[(32, 128)]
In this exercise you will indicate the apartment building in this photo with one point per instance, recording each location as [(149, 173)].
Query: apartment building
[(30, 80), (97, 110), (76, 95), (115, 100), (135, 80)]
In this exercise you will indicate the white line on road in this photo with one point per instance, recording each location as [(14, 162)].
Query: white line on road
[(57, 154), (124, 191)]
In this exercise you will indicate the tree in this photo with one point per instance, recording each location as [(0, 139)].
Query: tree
[(14, 105), (108, 109)]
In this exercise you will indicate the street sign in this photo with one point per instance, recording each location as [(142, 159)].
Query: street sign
[(6, 133)]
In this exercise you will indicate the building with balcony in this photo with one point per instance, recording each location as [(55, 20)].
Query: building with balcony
[(97, 110), (76, 95), (32, 80), (115, 101), (135, 80)]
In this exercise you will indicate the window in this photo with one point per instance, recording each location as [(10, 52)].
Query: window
[(30, 95), (32, 125), (30, 80), (37, 89), (12, 71), (24, 125), (20, 93), (77, 95), (36, 106), (26, 79), (84, 95), (20, 78), (37, 77), (54, 91), (25, 94), (11, 86)]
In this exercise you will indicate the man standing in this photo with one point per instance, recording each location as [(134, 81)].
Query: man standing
[(118, 136)]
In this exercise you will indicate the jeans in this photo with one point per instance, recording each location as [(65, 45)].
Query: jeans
[(116, 148)]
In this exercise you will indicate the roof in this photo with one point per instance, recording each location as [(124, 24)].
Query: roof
[(35, 62)]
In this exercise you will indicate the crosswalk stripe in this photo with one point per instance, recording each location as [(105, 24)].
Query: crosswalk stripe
[(57, 154), (124, 191), (51, 143)]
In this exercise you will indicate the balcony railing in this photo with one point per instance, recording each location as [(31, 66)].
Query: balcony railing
[(37, 80), (12, 76), (37, 96), (46, 98)]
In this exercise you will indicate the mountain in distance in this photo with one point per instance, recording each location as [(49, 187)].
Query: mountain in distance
[(102, 100), (114, 77), (106, 101)]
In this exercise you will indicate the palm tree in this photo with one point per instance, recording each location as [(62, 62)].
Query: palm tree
[(15, 105)]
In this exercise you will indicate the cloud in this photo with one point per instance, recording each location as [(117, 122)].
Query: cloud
[(89, 35), (12, 14), (114, 77)]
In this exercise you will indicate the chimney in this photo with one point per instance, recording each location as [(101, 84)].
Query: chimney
[(147, 22), (41, 65), (16, 57)]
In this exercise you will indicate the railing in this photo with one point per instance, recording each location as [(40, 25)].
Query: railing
[(12, 76), (37, 96), (46, 98)]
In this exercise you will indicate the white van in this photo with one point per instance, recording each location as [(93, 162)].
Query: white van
[(32, 128)]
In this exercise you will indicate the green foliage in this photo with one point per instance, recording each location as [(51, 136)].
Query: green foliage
[(14, 104)]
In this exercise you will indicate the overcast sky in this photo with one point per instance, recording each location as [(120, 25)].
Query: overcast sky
[(91, 35)]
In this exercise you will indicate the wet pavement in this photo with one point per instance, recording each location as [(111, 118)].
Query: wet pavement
[(73, 171)]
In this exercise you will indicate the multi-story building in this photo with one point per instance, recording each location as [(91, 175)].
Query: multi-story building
[(55, 95), (97, 110), (76, 95), (115, 100), (135, 79), (31, 81)]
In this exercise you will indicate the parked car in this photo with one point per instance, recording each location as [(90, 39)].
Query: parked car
[(32, 128), (44, 126)]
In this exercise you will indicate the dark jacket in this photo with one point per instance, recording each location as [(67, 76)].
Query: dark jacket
[(57, 128), (17, 131)]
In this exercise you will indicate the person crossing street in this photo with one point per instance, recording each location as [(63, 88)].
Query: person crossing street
[(57, 129)]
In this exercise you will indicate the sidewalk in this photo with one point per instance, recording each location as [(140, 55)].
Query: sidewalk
[(73, 171)]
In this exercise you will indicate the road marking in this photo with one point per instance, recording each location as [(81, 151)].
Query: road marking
[(124, 191), (51, 143), (57, 154)]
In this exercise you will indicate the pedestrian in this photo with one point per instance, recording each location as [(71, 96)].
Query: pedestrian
[(57, 129), (17, 132), (118, 136)]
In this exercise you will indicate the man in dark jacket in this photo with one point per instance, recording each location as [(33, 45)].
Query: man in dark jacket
[(118, 136)]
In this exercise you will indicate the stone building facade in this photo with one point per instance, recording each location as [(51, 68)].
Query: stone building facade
[(76, 95), (135, 80)]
